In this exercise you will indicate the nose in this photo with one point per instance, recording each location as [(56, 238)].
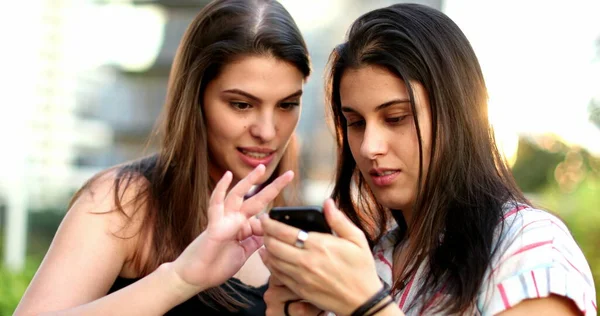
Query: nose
[(373, 143), (264, 126)]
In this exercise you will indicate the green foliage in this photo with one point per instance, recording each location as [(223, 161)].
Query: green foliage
[(534, 167), (41, 229), (14, 285), (565, 182)]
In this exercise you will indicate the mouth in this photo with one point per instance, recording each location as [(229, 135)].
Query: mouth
[(381, 173), (384, 177), (254, 156), (256, 153)]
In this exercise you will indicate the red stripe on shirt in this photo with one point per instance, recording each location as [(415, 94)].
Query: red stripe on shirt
[(504, 297), (515, 210), (383, 259), (405, 294), (523, 249), (569, 262), (531, 246), (533, 222), (537, 292)]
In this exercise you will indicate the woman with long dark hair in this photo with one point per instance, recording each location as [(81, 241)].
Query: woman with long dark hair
[(163, 234), (430, 220)]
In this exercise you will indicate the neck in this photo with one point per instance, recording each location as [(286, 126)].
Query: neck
[(402, 216)]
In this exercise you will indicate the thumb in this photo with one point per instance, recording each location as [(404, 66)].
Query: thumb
[(342, 225)]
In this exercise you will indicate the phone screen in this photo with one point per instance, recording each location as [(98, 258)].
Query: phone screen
[(307, 218)]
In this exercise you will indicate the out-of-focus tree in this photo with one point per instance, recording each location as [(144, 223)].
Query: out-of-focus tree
[(594, 109), (535, 165)]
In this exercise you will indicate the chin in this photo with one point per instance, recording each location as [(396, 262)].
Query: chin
[(390, 201)]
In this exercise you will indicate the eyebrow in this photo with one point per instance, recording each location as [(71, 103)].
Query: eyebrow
[(257, 99), (379, 107)]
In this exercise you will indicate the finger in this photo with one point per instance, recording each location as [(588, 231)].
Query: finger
[(286, 280), (256, 226), (220, 191), (251, 244), (279, 249), (303, 308), (276, 267), (237, 193), (259, 201), (289, 234), (279, 293), (283, 266), (276, 297), (274, 280), (342, 225), (281, 231)]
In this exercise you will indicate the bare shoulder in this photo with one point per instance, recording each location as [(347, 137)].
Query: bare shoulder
[(122, 197), (92, 245)]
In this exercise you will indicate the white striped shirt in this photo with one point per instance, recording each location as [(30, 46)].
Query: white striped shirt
[(537, 257)]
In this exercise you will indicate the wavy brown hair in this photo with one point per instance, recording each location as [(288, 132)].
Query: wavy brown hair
[(462, 195), (175, 197)]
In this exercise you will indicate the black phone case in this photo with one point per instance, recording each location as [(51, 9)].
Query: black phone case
[(307, 218)]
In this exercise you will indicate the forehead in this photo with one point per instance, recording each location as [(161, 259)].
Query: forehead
[(262, 76), (370, 86)]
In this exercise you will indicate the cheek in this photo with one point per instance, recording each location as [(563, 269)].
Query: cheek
[(287, 123), (354, 142), (409, 149), (225, 131)]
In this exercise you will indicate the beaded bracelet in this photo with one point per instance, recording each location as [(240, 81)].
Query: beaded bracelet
[(370, 303)]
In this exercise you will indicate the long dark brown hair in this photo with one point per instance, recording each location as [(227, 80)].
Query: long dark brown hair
[(176, 196), (460, 200)]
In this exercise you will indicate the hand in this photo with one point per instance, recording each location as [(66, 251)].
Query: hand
[(334, 273), (233, 232), (278, 294)]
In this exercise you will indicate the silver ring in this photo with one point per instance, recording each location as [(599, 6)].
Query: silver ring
[(302, 237)]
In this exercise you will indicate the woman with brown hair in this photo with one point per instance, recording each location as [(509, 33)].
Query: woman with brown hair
[(430, 220), (163, 234)]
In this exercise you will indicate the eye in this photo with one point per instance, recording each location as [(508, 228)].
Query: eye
[(396, 119), (240, 105), (288, 105), (356, 123)]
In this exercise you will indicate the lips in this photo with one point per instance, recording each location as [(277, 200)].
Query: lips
[(254, 156), (384, 176)]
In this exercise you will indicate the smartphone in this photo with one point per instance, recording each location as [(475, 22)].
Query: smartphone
[(307, 218)]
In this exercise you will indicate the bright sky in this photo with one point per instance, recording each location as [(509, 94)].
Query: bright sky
[(539, 61)]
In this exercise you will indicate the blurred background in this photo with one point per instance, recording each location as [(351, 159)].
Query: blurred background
[(82, 83)]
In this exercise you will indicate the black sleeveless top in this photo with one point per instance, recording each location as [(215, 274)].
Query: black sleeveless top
[(252, 296), (194, 306)]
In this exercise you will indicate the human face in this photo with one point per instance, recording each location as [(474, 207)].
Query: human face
[(382, 134), (251, 110)]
